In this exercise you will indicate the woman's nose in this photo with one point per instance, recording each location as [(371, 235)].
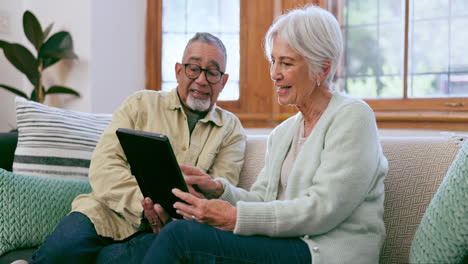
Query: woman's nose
[(275, 73)]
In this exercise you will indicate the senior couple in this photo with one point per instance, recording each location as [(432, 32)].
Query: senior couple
[(319, 198)]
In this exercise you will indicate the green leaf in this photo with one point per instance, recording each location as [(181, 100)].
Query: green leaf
[(47, 31), (46, 62), (14, 90), (2, 43), (23, 60), (61, 90), (58, 46), (32, 29)]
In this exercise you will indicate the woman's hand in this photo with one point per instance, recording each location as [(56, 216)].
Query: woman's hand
[(201, 184), (155, 214), (216, 213)]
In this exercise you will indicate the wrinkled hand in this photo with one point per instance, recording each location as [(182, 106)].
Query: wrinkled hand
[(155, 214), (201, 184), (216, 213)]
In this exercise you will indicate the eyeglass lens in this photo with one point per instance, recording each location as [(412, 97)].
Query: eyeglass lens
[(193, 71)]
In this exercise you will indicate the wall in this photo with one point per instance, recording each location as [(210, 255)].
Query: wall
[(11, 30), (118, 48), (108, 39)]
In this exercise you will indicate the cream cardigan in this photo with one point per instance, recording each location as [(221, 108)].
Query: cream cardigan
[(335, 192)]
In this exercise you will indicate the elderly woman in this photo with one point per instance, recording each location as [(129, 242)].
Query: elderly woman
[(319, 198)]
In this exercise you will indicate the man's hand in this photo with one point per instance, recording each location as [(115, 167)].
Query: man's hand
[(216, 213), (201, 184), (155, 214)]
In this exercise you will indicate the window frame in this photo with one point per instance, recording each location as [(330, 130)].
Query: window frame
[(257, 105)]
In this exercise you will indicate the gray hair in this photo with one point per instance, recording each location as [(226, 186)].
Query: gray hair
[(208, 38), (313, 33)]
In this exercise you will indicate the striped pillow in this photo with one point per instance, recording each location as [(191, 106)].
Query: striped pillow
[(55, 143)]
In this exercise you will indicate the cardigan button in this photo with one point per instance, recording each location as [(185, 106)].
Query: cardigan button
[(184, 148), (315, 249)]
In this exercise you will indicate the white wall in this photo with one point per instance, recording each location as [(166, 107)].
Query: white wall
[(11, 30), (108, 38), (118, 47)]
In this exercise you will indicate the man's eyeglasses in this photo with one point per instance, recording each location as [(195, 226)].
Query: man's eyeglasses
[(193, 71)]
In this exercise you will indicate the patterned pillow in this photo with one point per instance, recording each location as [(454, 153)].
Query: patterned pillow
[(31, 207), (55, 143), (442, 236)]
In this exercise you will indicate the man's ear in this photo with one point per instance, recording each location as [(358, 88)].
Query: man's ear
[(224, 79), (179, 68)]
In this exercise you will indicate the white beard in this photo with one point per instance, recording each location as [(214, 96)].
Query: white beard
[(199, 105)]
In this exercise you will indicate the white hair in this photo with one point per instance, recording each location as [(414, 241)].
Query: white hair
[(313, 33)]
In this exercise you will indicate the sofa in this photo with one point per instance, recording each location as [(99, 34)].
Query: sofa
[(417, 167)]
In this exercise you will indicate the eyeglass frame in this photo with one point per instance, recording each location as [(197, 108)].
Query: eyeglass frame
[(202, 70)]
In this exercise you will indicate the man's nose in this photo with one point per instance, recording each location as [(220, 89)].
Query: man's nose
[(201, 79)]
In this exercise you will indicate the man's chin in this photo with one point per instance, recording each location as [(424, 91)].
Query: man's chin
[(198, 105)]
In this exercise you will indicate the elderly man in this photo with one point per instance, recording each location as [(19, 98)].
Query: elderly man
[(108, 225)]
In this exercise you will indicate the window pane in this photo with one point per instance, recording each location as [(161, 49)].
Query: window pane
[(173, 18), (438, 64), (359, 12), (391, 11), (429, 85), (173, 45), (459, 8), (373, 37), (459, 44), (203, 16), (183, 18), (427, 52), (423, 9), (230, 91), (362, 49), (458, 85), (391, 43)]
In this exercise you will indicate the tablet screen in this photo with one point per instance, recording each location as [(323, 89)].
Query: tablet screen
[(154, 165)]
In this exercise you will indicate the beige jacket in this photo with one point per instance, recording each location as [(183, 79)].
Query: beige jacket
[(217, 145)]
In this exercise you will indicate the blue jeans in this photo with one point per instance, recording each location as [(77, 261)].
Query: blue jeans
[(185, 241), (75, 240)]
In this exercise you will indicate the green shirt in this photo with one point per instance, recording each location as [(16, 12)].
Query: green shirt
[(216, 145)]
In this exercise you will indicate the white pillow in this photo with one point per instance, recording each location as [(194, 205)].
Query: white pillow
[(53, 142)]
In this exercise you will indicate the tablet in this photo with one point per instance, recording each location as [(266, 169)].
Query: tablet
[(154, 166)]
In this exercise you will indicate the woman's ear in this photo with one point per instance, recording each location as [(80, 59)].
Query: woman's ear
[(326, 67)]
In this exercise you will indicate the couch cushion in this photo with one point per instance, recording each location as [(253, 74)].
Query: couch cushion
[(254, 160), (31, 207), (417, 165), (55, 142), (442, 236), (8, 143)]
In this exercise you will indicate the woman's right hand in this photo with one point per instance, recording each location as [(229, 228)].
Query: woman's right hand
[(201, 184)]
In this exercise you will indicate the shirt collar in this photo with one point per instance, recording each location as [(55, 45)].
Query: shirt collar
[(214, 115)]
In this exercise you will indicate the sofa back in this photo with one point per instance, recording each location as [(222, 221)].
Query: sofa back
[(417, 166)]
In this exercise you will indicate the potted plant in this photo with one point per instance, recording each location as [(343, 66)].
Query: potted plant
[(49, 50)]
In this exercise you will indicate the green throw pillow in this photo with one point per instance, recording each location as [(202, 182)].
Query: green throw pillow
[(442, 236), (31, 207)]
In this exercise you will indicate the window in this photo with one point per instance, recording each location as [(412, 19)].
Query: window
[(181, 19), (374, 34), (404, 57)]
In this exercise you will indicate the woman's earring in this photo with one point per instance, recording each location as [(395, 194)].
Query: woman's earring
[(318, 83)]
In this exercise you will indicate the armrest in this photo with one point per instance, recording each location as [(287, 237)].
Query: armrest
[(8, 142)]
